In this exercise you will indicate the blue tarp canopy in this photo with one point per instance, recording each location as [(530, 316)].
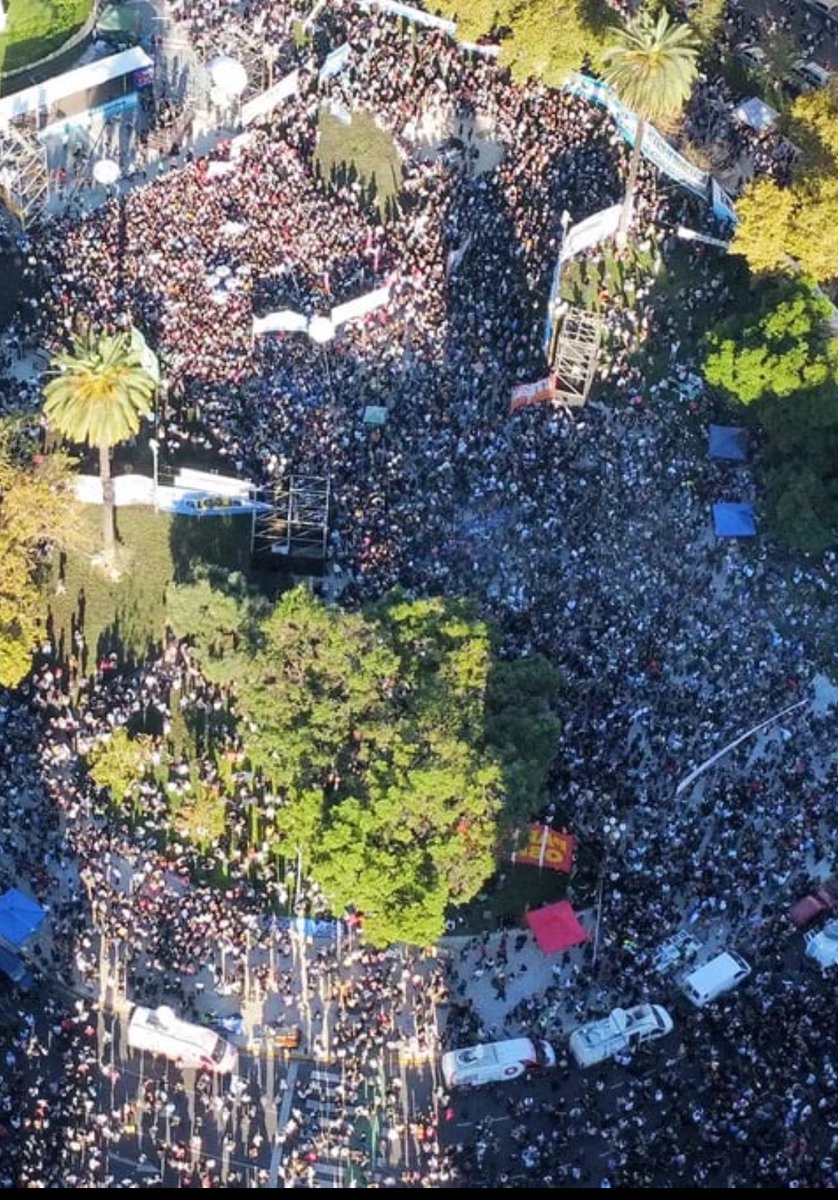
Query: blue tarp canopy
[(20, 917), (734, 520), (728, 441)]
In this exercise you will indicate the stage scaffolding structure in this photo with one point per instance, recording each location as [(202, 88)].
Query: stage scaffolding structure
[(576, 354), (297, 527), (24, 180)]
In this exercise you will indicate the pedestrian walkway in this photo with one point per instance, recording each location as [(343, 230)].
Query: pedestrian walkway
[(325, 1105)]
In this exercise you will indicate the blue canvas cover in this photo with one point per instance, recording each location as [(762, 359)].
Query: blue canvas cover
[(734, 520), (20, 917), (729, 442)]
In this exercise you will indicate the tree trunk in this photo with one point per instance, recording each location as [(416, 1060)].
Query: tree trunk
[(108, 532), (631, 184)]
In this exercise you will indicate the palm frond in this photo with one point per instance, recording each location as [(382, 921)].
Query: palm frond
[(100, 390), (652, 65)]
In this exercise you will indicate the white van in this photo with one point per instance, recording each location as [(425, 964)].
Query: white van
[(495, 1062), (809, 76), (705, 984), (822, 944), (623, 1029), (161, 1031)]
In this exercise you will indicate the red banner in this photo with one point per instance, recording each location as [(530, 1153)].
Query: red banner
[(546, 847), (532, 393)]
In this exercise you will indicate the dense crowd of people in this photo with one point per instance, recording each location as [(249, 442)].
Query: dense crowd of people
[(584, 535)]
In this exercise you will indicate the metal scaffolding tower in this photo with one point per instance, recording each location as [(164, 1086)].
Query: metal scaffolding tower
[(577, 351), (24, 181), (298, 526)]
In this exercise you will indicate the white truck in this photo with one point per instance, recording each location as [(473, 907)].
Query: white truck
[(622, 1030), (822, 944), (495, 1062), (161, 1031)]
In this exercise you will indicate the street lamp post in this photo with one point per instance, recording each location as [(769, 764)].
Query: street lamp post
[(154, 446), (612, 831)]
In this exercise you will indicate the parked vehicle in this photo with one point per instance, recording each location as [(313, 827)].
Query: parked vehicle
[(822, 944), (722, 973), (752, 57), (623, 1029), (495, 1062), (808, 76), (676, 951), (822, 899), (15, 970), (828, 9), (161, 1031)]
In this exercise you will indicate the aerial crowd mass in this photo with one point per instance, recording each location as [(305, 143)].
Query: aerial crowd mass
[(585, 536)]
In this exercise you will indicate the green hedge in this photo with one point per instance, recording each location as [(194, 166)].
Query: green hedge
[(37, 27)]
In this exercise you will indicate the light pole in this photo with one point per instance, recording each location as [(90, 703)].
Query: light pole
[(612, 831), (154, 446)]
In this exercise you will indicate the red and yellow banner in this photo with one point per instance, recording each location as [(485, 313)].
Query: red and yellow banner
[(546, 847)]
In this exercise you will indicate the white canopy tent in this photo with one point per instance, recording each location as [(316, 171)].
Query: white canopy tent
[(756, 114)]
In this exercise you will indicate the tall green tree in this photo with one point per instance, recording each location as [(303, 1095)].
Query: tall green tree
[(780, 349), (375, 731), (540, 39), (777, 360), (651, 65), (37, 511), (98, 395), (790, 228)]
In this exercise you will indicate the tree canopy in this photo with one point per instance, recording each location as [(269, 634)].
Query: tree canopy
[(37, 511), (375, 731), (790, 228), (98, 394), (782, 350), (777, 359), (793, 227), (651, 65), (540, 39)]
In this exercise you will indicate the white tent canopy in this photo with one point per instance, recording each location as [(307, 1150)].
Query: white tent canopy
[(757, 114), (42, 96)]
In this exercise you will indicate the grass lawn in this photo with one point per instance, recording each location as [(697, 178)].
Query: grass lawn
[(128, 615), (511, 893), (361, 151), (37, 27)]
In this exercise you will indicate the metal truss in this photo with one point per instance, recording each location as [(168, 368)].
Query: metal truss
[(298, 527), (577, 351), (24, 181)]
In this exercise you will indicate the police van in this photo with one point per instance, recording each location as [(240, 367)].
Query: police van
[(161, 1031), (495, 1062)]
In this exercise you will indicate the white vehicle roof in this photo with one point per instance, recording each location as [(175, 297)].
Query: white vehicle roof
[(613, 1030), (495, 1061), (718, 975), (492, 1053), (822, 945)]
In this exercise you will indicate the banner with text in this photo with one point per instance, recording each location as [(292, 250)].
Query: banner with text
[(546, 847), (532, 393)]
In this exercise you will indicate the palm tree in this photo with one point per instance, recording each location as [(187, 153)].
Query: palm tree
[(99, 393), (651, 67)]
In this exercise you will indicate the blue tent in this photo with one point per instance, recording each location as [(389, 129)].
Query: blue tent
[(729, 442), (734, 520), (20, 917)]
